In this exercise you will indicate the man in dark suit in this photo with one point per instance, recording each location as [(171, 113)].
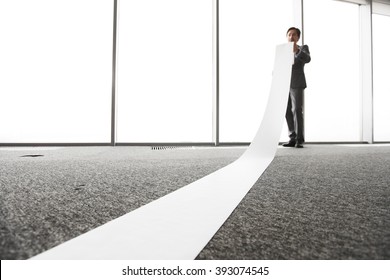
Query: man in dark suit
[(294, 112)]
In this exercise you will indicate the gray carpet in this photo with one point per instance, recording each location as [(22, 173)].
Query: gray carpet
[(321, 202), (47, 200)]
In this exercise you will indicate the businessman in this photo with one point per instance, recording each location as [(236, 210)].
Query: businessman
[(294, 112)]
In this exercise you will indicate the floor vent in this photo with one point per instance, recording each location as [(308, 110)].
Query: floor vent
[(156, 148), (32, 156)]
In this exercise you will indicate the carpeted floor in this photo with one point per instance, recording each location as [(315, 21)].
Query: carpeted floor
[(326, 202), (46, 200), (321, 202)]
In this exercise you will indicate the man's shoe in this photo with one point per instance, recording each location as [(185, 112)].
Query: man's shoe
[(289, 144), (299, 145)]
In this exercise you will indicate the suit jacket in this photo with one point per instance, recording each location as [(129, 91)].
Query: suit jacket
[(298, 79)]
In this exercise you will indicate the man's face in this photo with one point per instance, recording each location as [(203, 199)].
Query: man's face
[(292, 36)]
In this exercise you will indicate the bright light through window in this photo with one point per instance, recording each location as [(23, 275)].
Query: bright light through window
[(249, 32), (55, 71), (332, 97), (165, 71), (381, 46)]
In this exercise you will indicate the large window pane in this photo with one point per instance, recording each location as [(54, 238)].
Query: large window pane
[(55, 70), (249, 32), (165, 71), (381, 47), (332, 98)]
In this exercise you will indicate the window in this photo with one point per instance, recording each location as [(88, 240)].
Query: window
[(249, 32), (332, 97), (165, 71), (55, 71), (381, 62)]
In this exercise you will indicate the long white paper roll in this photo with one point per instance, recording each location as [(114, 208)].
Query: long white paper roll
[(180, 224)]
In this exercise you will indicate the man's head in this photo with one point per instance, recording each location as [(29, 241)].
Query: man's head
[(293, 34)]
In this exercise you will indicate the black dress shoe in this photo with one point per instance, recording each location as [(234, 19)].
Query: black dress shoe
[(289, 144), (299, 145)]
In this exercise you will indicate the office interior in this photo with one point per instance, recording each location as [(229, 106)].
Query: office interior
[(108, 105)]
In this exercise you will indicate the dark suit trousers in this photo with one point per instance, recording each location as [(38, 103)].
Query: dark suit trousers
[(294, 115)]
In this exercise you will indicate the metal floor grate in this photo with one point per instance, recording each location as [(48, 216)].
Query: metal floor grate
[(159, 148)]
